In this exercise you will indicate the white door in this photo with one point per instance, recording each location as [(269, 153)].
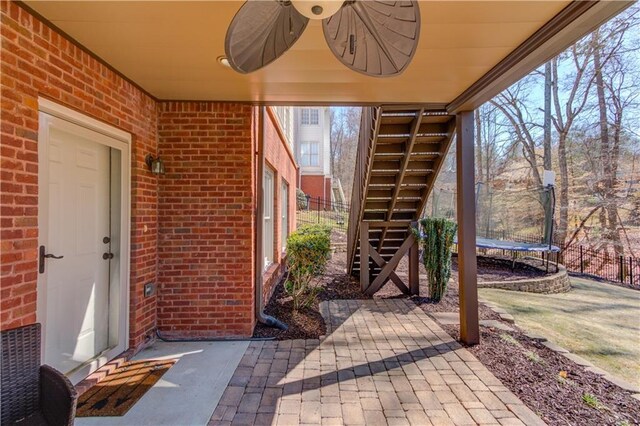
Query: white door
[(77, 209)]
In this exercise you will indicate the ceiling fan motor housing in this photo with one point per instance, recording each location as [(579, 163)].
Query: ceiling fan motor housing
[(317, 9)]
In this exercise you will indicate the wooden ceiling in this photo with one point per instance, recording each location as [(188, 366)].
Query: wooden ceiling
[(171, 48)]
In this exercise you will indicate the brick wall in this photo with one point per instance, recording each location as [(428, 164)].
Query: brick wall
[(206, 285), (194, 225), (37, 61), (317, 186), (279, 157)]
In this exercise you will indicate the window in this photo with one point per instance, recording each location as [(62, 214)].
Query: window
[(284, 209), (310, 116), (309, 154), (284, 117), (267, 231)]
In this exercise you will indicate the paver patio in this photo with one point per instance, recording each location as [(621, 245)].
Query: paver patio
[(382, 362)]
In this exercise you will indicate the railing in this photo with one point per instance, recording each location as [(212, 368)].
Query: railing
[(323, 212), (602, 264), (578, 259), (360, 177)]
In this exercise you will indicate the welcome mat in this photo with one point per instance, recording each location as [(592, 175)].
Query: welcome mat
[(122, 388)]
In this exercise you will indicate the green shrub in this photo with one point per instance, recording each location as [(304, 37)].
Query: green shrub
[(591, 400), (301, 200), (437, 239), (308, 251)]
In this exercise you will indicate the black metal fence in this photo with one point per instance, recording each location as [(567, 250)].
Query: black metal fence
[(579, 259), (320, 211), (602, 264)]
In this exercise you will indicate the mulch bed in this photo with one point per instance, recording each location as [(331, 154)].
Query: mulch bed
[(307, 323), (533, 372), (525, 366)]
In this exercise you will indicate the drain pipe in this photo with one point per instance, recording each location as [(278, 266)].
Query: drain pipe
[(259, 215)]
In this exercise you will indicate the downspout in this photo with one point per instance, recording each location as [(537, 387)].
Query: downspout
[(259, 215)]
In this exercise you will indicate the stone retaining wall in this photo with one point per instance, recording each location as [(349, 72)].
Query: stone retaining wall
[(556, 283)]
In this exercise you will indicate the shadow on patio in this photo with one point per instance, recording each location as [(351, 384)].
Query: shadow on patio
[(383, 361)]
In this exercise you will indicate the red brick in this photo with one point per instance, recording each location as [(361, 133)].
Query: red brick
[(41, 59)]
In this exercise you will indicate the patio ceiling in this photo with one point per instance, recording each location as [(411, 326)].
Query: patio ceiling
[(170, 49)]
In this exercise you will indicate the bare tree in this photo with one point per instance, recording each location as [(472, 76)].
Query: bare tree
[(566, 112), (345, 125), (616, 92)]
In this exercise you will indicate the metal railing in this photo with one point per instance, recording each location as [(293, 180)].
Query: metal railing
[(602, 264), (323, 212)]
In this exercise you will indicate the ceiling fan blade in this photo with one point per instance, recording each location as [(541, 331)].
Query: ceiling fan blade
[(261, 32), (376, 38)]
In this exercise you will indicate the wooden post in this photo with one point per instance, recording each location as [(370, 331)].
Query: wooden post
[(414, 265), (467, 268), (364, 256)]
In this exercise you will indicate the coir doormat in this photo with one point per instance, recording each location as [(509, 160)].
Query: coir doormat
[(122, 388)]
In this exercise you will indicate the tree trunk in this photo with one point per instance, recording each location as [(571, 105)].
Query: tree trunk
[(479, 160), (607, 161), (563, 200), (547, 116)]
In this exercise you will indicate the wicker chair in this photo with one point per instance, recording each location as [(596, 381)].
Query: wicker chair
[(32, 394)]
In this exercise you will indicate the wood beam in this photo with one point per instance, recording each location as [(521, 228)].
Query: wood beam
[(414, 266), (392, 276), (415, 127), (444, 148), (467, 268), (390, 266), (364, 256)]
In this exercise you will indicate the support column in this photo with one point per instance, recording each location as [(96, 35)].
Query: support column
[(364, 255), (466, 213), (414, 265)]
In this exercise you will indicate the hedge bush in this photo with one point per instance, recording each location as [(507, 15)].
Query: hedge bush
[(308, 250), (437, 239), (301, 200)]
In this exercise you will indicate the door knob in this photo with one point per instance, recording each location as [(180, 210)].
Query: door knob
[(107, 256), (42, 256)]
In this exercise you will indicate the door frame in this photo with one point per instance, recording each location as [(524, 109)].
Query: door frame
[(114, 138)]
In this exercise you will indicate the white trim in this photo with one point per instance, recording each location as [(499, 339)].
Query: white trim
[(62, 117), (68, 114)]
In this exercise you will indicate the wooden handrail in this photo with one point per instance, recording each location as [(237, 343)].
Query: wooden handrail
[(364, 157)]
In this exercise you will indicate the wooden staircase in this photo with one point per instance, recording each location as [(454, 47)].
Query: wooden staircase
[(400, 152)]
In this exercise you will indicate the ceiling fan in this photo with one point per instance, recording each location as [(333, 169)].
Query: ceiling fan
[(374, 37)]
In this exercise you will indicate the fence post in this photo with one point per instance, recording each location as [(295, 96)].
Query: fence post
[(318, 208), (621, 259), (581, 260), (631, 270)]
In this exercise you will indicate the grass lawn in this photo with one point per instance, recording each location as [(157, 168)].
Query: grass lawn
[(600, 322)]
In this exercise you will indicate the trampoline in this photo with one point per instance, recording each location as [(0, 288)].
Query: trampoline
[(515, 247), (488, 243)]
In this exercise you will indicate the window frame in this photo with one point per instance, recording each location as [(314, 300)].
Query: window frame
[(306, 155), (268, 222), (310, 116), (284, 213)]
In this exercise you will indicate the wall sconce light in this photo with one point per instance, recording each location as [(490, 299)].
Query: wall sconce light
[(155, 164)]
